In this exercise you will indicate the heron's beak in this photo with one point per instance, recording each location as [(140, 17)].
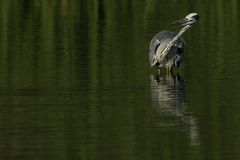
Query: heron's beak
[(183, 21)]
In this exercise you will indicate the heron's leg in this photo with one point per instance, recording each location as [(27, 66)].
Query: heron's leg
[(158, 71), (168, 70)]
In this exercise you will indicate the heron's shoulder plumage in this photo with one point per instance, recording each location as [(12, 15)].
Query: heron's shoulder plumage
[(162, 38), (165, 35)]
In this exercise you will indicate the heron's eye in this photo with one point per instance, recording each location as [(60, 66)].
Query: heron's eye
[(196, 17)]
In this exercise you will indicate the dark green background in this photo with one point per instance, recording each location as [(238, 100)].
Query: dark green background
[(75, 81)]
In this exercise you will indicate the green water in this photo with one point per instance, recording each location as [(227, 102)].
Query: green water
[(75, 81)]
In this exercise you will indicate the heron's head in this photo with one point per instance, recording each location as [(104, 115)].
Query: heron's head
[(190, 19)]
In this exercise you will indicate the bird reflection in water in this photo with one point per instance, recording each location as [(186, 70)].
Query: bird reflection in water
[(168, 98)]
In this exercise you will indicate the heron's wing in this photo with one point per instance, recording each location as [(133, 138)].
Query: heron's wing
[(179, 59), (152, 51), (176, 52), (157, 45)]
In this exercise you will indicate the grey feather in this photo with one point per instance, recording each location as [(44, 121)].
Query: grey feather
[(160, 42)]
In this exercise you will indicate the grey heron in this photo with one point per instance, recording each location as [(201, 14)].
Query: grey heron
[(166, 47)]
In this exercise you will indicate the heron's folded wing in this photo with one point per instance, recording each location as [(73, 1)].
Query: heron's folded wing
[(153, 48), (174, 50)]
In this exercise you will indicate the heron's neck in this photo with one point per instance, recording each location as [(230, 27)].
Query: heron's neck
[(170, 44), (181, 32)]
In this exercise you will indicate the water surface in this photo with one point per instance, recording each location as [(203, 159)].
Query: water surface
[(75, 81)]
